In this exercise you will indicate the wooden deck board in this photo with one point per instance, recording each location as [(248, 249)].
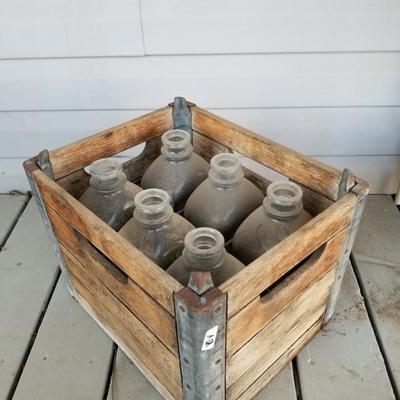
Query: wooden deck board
[(10, 207), (71, 356), (28, 269), (377, 261), (344, 361)]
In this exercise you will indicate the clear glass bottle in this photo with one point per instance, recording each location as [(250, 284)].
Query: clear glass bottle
[(204, 251), (177, 170), (110, 196), (280, 215), (225, 199), (155, 229)]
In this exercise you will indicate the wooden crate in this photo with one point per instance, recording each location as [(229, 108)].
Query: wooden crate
[(201, 342)]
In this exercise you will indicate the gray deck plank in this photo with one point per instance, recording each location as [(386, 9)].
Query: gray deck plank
[(10, 207), (377, 260), (71, 356), (28, 269), (344, 361)]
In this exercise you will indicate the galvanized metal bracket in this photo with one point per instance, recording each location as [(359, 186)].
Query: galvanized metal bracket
[(29, 166), (201, 327), (346, 184), (44, 163), (361, 190), (181, 114)]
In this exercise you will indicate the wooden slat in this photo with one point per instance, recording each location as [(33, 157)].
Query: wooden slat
[(136, 336), (279, 364), (261, 273), (314, 174), (256, 315), (150, 313), (130, 260), (75, 156), (28, 269), (344, 361), (10, 207), (71, 356), (252, 359)]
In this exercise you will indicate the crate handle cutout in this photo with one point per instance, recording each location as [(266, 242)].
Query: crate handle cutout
[(309, 262)]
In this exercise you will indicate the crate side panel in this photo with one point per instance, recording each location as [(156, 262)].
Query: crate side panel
[(150, 313), (275, 338), (151, 352), (246, 285), (255, 316), (77, 155), (152, 279), (309, 172)]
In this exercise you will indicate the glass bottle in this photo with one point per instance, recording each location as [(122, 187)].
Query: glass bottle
[(204, 251), (225, 199), (110, 196), (177, 170), (155, 229), (280, 215)]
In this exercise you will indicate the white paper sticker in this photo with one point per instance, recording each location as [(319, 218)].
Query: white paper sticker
[(210, 338)]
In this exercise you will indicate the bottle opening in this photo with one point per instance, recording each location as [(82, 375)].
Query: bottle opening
[(225, 169), (153, 206), (176, 144), (106, 175), (284, 199)]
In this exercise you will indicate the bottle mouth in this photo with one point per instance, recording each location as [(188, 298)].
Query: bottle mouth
[(204, 249), (226, 169), (176, 144), (105, 168), (153, 206), (284, 199)]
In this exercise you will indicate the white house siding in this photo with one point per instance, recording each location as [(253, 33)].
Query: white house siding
[(320, 76)]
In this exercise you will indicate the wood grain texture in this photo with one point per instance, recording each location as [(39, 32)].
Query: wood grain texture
[(151, 278), (136, 336), (256, 315), (150, 313), (75, 156), (325, 179), (264, 271), (278, 365), (272, 341), (70, 357)]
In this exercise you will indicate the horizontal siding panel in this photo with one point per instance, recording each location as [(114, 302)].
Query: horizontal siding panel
[(73, 28), (322, 131), (245, 81), (382, 172), (260, 26)]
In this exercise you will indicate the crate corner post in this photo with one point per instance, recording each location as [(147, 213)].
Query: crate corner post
[(200, 311)]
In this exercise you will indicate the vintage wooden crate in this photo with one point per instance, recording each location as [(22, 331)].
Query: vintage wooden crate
[(201, 342)]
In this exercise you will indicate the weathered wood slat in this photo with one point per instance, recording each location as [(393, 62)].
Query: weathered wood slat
[(288, 162), (252, 359), (75, 156), (261, 273), (344, 361), (130, 260), (256, 315), (10, 207), (71, 356), (28, 269), (279, 364), (156, 318), (137, 337)]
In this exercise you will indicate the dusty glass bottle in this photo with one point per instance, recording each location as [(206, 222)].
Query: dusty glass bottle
[(177, 170), (155, 229), (110, 196), (280, 215), (204, 251), (225, 199)]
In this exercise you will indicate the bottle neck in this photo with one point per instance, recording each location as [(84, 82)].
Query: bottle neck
[(176, 145), (204, 250), (106, 175), (225, 170), (153, 207), (284, 200)]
